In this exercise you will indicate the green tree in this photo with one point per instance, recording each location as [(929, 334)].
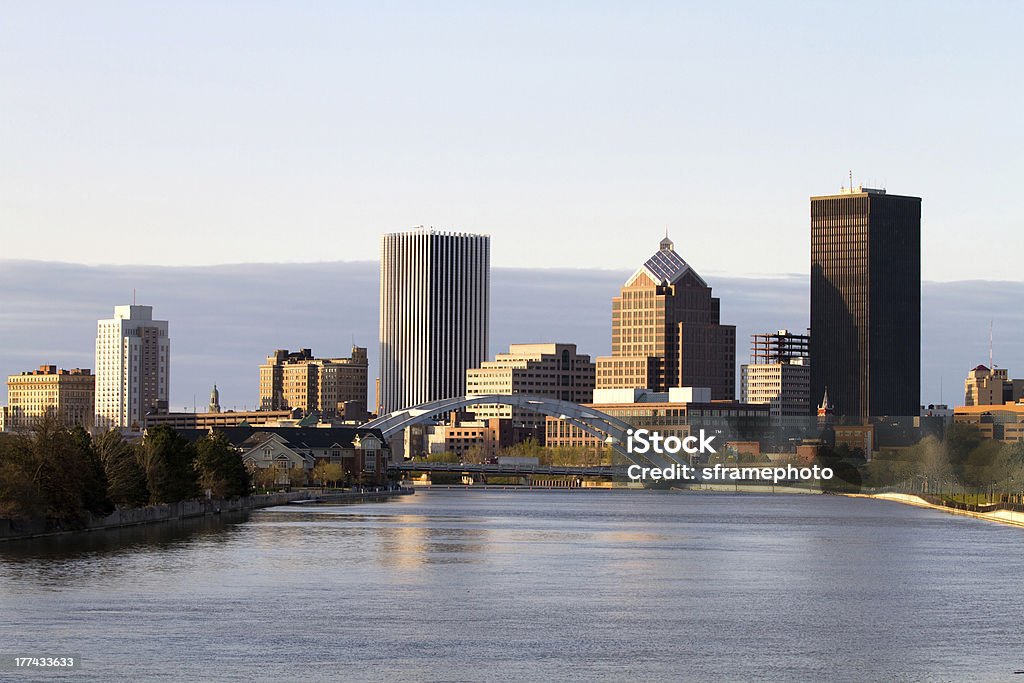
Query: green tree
[(846, 464), (445, 457), (167, 459), (530, 448), (220, 468), (19, 494), (960, 440), (52, 472), (126, 480), (579, 456)]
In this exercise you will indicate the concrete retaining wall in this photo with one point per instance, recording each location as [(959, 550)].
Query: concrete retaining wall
[(11, 529)]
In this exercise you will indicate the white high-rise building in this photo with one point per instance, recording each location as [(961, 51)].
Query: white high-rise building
[(779, 374), (133, 362), (434, 314)]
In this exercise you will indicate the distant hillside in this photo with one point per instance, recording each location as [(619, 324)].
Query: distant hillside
[(225, 319)]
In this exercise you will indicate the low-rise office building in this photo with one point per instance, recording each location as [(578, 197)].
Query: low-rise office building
[(547, 370), (216, 420), (1000, 422), (681, 411), (481, 440), (779, 374)]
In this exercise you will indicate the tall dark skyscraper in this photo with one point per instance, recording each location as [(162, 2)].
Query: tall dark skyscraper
[(866, 302)]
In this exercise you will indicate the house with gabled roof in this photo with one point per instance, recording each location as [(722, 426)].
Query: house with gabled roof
[(362, 453)]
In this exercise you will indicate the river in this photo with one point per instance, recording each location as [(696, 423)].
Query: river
[(457, 585)]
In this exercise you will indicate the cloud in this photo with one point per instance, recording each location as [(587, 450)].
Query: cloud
[(225, 319)]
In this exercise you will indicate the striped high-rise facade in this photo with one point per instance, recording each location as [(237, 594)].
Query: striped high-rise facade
[(865, 344), (434, 314), (133, 359)]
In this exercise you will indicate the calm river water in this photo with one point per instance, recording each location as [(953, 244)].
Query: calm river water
[(545, 585)]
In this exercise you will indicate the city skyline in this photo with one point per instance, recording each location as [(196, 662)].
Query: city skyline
[(464, 336), (955, 329), (565, 127)]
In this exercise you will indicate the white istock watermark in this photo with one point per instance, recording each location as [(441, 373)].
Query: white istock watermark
[(643, 441), (729, 473)]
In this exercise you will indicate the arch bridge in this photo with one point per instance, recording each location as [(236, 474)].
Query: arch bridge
[(607, 428)]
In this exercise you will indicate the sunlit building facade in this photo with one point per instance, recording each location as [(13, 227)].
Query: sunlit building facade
[(434, 314), (133, 359), (666, 332)]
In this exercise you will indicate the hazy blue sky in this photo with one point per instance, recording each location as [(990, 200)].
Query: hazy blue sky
[(573, 133), (221, 332)]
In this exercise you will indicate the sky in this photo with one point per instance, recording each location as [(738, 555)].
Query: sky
[(574, 134), (225, 320)]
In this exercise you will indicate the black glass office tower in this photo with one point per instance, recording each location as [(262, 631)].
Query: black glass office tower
[(865, 342)]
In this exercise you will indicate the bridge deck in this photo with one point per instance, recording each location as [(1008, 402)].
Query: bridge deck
[(511, 470)]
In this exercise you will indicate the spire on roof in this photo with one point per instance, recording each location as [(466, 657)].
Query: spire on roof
[(666, 266), (825, 409), (666, 244)]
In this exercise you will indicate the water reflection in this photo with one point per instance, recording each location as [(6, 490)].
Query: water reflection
[(59, 562), (165, 535), (534, 585)]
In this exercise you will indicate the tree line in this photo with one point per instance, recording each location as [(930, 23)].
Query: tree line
[(65, 474), (962, 458), (547, 456)]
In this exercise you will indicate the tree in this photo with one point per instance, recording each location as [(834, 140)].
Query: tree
[(530, 448), (579, 456), (328, 472), (52, 472), (960, 440), (297, 476), (266, 477), (167, 460), (445, 457), (319, 472), (475, 455), (94, 479), (220, 468), (19, 495), (126, 480), (846, 464)]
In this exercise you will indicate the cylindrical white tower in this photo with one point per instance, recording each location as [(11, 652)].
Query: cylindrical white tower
[(434, 314)]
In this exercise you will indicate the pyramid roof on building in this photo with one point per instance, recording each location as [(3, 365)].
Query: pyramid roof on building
[(666, 266)]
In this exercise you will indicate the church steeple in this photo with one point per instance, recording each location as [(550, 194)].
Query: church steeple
[(825, 410), (214, 406)]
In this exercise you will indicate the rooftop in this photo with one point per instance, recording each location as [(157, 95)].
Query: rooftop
[(666, 266)]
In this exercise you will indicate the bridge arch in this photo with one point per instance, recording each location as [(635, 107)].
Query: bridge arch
[(609, 429)]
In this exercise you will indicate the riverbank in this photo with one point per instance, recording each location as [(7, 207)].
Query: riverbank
[(18, 529), (1007, 517), (328, 496)]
